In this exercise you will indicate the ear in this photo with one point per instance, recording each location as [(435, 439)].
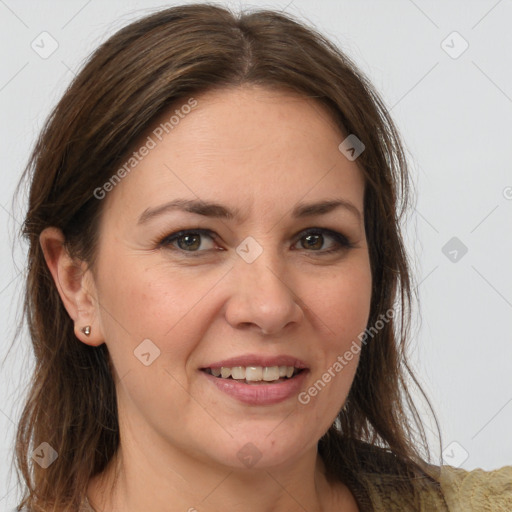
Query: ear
[(75, 285)]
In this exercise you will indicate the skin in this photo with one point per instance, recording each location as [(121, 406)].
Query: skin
[(259, 151)]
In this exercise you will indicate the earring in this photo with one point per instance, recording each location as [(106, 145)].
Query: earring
[(86, 330)]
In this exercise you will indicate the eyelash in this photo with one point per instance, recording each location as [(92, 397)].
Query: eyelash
[(343, 243)]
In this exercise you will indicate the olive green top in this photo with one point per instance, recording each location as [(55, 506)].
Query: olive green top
[(459, 491)]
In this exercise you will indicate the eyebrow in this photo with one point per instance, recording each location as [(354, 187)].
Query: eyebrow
[(216, 210)]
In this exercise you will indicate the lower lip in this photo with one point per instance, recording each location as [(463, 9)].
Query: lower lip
[(260, 394)]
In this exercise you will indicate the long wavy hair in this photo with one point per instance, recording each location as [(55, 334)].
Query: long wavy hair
[(127, 83)]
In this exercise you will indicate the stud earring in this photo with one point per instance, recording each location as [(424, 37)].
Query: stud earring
[(86, 330)]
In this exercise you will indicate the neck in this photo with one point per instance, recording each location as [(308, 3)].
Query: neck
[(143, 483)]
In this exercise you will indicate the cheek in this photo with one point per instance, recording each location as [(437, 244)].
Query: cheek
[(150, 299), (342, 303), (344, 308), (158, 303)]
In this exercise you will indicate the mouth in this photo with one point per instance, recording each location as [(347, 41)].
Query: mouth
[(257, 375), (258, 379)]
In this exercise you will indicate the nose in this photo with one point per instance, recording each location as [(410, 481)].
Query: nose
[(263, 297)]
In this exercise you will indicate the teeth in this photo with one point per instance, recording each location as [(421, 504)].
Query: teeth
[(270, 373), (238, 372), (254, 373)]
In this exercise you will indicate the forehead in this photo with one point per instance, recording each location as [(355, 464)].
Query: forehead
[(250, 147)]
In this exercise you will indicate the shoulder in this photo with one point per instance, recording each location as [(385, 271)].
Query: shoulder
[(477, 490), (389, 486), (454, 490)]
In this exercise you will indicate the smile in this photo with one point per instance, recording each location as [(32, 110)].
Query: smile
[(255, 374), (257, 392)]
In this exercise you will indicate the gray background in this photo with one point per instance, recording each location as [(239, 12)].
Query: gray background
[(454, 111)]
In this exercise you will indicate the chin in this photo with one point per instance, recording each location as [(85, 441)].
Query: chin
[(261, 451)]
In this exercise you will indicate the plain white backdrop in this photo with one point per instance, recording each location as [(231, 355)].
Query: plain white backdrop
[(444, 69)]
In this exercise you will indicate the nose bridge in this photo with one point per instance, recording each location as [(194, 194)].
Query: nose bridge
[(264, 267), (262, 293)]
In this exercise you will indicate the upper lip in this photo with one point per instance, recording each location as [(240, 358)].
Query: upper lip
[(258, 360)]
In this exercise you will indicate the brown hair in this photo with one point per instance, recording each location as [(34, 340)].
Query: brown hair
[(125, 85)]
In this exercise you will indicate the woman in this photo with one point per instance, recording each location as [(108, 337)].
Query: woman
[(218, 293)]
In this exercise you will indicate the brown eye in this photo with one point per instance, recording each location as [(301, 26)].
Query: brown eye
[(191, 242), (313, 240), (188, 241)]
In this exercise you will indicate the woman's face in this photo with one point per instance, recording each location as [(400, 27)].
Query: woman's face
[(250, 288)]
